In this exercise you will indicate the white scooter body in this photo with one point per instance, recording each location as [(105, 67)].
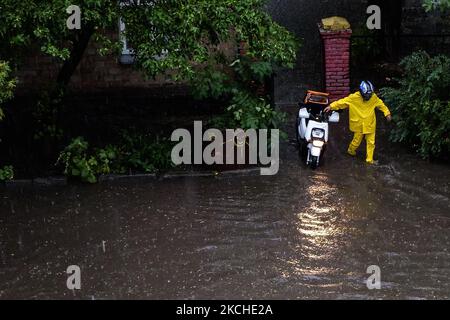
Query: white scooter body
[(314, 134)]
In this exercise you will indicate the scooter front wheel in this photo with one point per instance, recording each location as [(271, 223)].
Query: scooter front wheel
[(314, 162)]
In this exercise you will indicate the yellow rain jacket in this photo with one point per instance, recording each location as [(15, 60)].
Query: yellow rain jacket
[(361, 113)]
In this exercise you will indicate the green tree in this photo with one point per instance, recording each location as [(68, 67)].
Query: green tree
[(7, 85), (436, 4), (180, 36), (41, 25)]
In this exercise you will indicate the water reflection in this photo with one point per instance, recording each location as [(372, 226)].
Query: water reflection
[(316, 224)]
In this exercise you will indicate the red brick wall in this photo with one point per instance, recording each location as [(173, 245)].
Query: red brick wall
[(97, 73), (94, 73), (337, 62)]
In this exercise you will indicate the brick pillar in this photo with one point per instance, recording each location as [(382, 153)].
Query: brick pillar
[(337, 62)]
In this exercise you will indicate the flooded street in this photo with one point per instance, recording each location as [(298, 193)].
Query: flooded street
[(301, 234)]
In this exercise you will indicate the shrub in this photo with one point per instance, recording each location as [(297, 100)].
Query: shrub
[(249, 106), (144, 152), (420, 104), (81, 163), (7, 85), (141, 152), (251, 112), (6, 173)]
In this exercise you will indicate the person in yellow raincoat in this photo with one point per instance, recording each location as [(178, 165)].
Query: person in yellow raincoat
[(362, 105)]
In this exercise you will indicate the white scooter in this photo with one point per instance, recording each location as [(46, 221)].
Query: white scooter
[(312, 127)]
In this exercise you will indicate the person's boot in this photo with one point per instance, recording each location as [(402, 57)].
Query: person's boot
[(351, 152)]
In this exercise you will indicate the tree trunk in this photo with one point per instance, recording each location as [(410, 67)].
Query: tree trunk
[(65, 74), (79, 47)]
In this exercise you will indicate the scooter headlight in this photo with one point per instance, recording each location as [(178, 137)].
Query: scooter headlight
[(318, 143), (318, 133)]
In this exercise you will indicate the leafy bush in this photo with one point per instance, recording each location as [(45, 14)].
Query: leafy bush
[(7, 85), (436, 4), (79, 162), (251, 112), (6, 173), (249, 109), (46, 114), (420, 104), (145, 153), (365, 46), (142, 152)]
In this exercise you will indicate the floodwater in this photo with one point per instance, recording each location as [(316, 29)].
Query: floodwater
[(301, 234)]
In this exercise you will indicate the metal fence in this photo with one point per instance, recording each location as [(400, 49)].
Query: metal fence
[(369, 52), (402, 45)]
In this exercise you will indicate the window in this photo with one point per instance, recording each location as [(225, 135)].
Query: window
[(127, 56)]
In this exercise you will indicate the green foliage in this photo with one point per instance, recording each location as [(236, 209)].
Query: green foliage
[(7, 85), (6, 173), (249, 71), (365, 46), (247, 109), (84, 164), (42, 24), (421, 104), (211, 83), (192, 32), (442, 5), (144, 152), (192, 37), (166, 35), (141, 152), (46, 114), (251, 112), (189, 40)]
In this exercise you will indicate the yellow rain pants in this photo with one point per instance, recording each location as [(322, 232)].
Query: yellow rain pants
[(363, 121), (370, 145)]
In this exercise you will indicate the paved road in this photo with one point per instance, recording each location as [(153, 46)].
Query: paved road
[(299, 235)]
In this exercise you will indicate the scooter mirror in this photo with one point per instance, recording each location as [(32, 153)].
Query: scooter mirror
[(334, 117), (303, 113)]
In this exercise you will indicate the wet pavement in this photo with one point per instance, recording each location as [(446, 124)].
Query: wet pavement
[(301, 234)]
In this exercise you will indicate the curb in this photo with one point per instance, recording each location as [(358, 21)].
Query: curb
[(63, 181)]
